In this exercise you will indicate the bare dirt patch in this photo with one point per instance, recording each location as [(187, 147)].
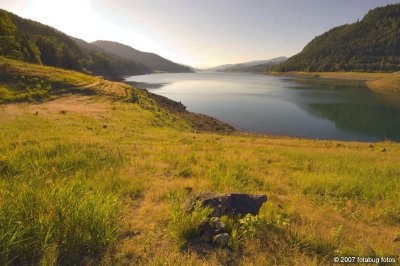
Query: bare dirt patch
[(87, 105)]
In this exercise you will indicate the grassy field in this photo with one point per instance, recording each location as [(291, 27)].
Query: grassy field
[(94, 172)]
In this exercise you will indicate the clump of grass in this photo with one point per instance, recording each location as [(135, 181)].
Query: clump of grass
[(368, 187), (185, 167), (345, 176), (36, 215), (60, 158), (241, 229), (251, 229), (52, 205), (8, 95), (272, 232), (229, 177), (391, 212), (184, 224), (4, 166)]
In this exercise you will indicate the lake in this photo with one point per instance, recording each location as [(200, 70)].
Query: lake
[(301, 107)]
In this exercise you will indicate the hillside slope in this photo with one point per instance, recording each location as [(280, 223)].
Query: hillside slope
[(121, 64), (258, 66), (23, 82), (389, 83), (153, 61), (34, 42), (372, 44)]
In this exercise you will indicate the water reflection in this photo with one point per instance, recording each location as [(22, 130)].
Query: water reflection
[(312, 108), (145, 85)]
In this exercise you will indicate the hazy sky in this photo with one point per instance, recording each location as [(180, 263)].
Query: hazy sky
[(198, 32)]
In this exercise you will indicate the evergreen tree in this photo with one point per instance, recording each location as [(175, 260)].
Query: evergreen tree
[(9, 47), (68, 59), (48, 51)]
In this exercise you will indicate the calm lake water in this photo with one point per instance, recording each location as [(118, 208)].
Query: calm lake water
[(311, 108)]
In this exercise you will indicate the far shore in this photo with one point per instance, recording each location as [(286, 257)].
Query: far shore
[(332, 75)]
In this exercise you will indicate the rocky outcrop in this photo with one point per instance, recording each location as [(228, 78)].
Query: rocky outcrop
[(232, 204), (199, 122)]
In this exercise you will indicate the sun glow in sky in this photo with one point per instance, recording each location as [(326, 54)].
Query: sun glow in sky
[(198, 33)]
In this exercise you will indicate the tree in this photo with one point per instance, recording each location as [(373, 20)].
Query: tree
[(30, 51), (68, 59), (48, 51), (10, 48), (7, 27)]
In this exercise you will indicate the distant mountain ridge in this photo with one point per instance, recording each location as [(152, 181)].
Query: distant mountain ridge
[(89, 47), (251, 66), (372, 44), (151, 60), (33, 42)]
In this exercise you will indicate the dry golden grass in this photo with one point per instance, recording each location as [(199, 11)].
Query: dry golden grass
[(389, 83)]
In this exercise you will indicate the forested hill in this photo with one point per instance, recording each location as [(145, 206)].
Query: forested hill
[(33, 42), (258, 66), (153, 61), (372, 44)]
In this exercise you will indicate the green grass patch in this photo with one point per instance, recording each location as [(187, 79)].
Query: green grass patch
[(233, 176), (59, 200), (184, 224)]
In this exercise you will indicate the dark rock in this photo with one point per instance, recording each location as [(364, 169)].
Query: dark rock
[(104, 126), (210, 228), (205, 226), (232, 204), (36, 113), (383, 150), (396, 239), (221, 239), (217, 224), (206, 232), (206, 237)]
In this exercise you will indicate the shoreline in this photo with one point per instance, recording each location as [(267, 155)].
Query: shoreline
[(362, 76), (206, 123), (378, 82)]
